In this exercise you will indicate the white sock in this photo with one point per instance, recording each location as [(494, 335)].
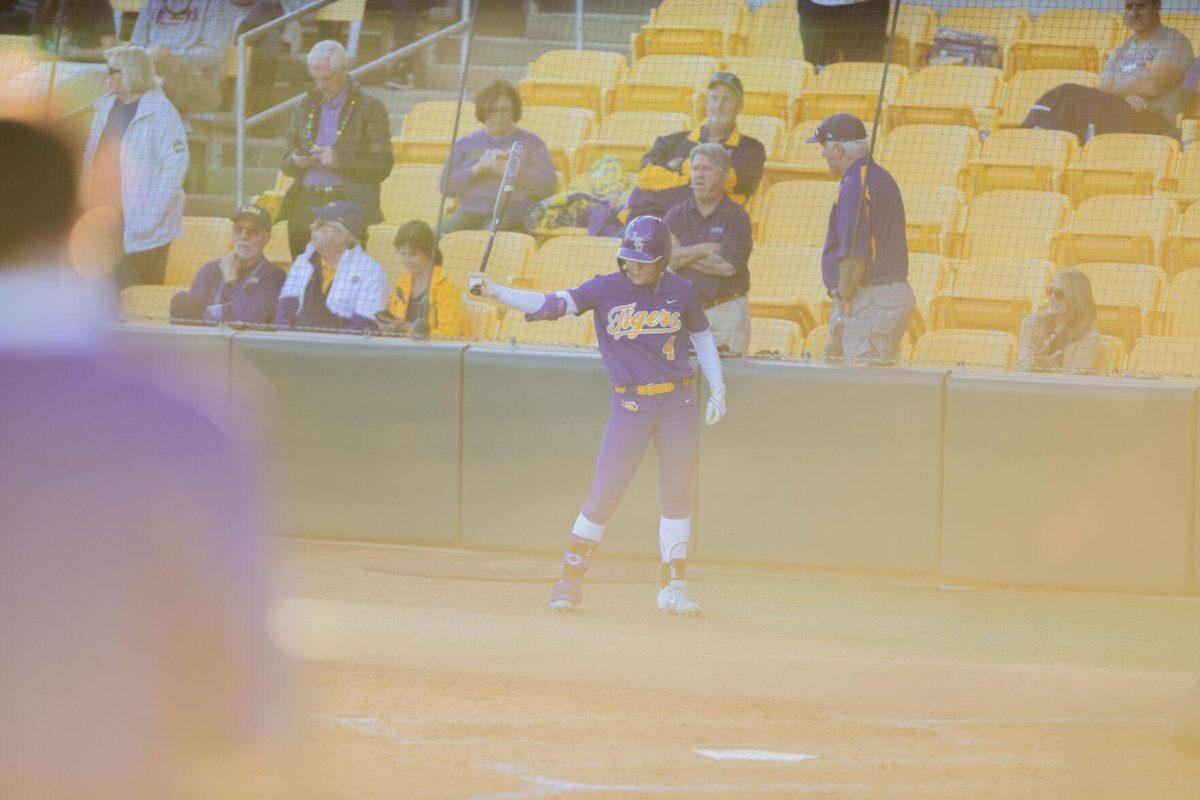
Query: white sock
[(673, 535), (584, 528)]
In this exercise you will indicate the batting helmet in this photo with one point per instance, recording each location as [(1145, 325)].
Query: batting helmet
[(646, 239)]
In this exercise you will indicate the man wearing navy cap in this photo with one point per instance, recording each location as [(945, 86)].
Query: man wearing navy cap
[(865, 261), (241, 286), (333, 286)]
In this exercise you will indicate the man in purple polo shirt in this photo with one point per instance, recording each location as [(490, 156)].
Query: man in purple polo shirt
[(865, 261), (711, 243), (339, 147), (132, 547), (477, 163)]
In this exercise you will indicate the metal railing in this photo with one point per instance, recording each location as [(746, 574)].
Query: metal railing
[(243, 122)]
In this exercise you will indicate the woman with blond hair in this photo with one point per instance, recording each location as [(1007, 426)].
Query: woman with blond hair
[(134, 163), (1062, 335)]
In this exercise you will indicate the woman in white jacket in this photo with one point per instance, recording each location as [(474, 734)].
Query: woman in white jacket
[(134, 163)]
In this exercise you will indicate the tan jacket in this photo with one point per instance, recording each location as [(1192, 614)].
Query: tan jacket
[(1080, 354)]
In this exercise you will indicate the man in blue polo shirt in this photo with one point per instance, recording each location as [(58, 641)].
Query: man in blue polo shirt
[(711, 244), (865, 261)]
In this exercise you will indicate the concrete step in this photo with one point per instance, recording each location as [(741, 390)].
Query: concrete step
[(599, 28), (509, 51), (445, 77)]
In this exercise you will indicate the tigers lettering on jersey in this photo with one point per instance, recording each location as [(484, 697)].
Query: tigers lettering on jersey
[(626, 322)]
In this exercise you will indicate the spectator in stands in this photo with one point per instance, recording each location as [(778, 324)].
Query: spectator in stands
[(424, 301), (241, 286), (1140, 89), (663, 181), (1191, 80), (16, 16), (405, 28), (1062, 335), (865, 260), (189, 41), (135, 160), (339, 146), (477, 163), (843, 30), (79, 30), (333, 285), (711, 240)]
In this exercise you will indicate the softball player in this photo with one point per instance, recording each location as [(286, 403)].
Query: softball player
[(647, 320)]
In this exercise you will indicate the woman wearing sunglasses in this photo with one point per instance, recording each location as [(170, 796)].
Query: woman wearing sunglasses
[(1062, 335)]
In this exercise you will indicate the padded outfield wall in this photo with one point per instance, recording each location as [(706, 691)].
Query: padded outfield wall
[(1081, 483)]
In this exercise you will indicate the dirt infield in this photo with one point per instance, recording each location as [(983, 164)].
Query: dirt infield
[(434, 674)]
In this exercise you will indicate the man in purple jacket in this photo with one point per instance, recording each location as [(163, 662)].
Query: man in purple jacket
[(132, 548), (478, 160), (242, 286)]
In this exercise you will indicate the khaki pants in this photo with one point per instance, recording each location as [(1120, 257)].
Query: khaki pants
[(730, 324), (871, 327)]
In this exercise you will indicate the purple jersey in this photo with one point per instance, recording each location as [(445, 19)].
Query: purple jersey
[(643, 331)]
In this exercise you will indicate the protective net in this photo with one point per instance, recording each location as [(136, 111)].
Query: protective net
[(997, 185)]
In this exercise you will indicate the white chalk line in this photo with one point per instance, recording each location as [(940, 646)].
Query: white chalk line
[(543, 786), (373, 726), (933, 722), (751, 755)]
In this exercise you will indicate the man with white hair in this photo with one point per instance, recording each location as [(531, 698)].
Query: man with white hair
[(865, 261), (711, 240), (339, 147)]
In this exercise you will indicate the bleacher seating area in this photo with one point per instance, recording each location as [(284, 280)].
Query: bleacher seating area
[(993, 209)]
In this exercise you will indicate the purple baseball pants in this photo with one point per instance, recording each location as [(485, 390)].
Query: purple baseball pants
[(673, 422)]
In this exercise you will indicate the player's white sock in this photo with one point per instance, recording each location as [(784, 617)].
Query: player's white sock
[(584, 528), (673, 536)]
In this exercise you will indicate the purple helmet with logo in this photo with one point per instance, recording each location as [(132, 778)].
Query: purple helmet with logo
[(647, 239)]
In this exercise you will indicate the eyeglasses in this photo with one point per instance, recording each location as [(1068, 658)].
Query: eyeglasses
[(501, 109), (1055, 294), (113, 71)]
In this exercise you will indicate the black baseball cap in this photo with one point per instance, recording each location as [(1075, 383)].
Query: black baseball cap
[(729, 79), (841, 127), (256, 215)]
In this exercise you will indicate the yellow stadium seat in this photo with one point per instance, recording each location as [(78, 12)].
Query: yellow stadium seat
[(628, 135), (379, 247), (772, 84), (272, 199), (1013, 224), (769, 130), (914, 32), (1066, 39), (510, 262), (927, 274), (1110, 355), (928, 155), (796, 212), (933, 214), (562, 129), (774, 337), (428, 129), (786, 284), (1181, 311), (815, 343), (1124, 228), (799, 160), (1127, 295), (995, 294), (1022, 90), (1120, 163), (577, 78), (569, 330), (692, 27), (204, 238), (567, 261), (661, 40), (1181, 249), (277, 250), (947, 95), (726, 16), (1187, 181), (148, 303), (775, 31), (850, 86), (412, 191), (1007, 25), (662, 83), (1020, 158), (966, 348), (1161, 356), (482, 319), (1187, 23)]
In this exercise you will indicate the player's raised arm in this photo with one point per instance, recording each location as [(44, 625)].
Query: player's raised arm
[(535, 305)]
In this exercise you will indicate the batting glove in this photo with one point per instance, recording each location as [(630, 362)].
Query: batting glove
[(481, 285), (716, 408)]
